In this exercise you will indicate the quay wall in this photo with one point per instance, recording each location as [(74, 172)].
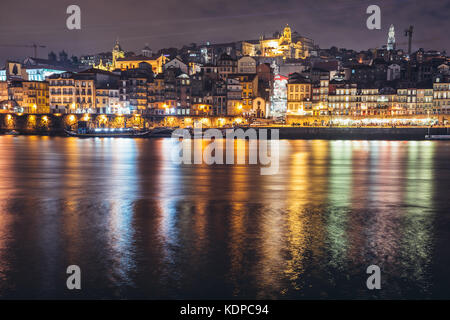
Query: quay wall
[(54, 124), (362, 133)]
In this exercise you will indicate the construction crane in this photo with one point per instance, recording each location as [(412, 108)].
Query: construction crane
[(34, 46), (409, 33)]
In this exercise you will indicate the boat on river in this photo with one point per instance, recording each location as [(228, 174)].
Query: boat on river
[(108, 133), (438, 137), (161, 132), (441, 136), (12, 133)]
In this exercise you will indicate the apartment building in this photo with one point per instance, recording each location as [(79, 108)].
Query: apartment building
[(299, 95), (441, 95), (72, 93)]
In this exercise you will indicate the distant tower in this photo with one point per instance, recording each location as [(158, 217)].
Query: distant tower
[(409, 33), (117, 53), (391, 38), (63, 56), (147, 52), (286, 35)]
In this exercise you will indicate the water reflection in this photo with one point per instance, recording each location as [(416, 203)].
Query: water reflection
[(339, 196), (417, 224), (141, 226)]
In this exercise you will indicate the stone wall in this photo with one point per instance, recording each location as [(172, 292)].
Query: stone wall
[(56, 123)]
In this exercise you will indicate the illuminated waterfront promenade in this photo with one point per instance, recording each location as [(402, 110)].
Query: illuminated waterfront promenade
[(296, 127), (55, 122)]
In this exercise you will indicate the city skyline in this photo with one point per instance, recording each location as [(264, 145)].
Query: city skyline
[(327, 24), (224, 156)]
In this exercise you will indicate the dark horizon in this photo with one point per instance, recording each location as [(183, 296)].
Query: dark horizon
[(172, 23)]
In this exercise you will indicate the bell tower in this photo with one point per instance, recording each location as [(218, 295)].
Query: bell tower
[(117, 53), (391, 38), (287, 34)]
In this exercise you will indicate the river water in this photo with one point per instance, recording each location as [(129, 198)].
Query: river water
[(141, 226)]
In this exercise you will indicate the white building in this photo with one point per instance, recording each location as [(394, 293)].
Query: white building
[(393, 72), (246, 65)]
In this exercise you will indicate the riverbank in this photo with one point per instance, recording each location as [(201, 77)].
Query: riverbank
[(308, 133), (360, 133)]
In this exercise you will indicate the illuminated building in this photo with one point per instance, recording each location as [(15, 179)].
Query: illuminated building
[(424, 100), (202, 109), (234, 97), (219, 97), (259, 107), (133, 87), (407, 99), (249, 85), (40, 69), (40, 74), (34, 73), (226, 65), (342, 97), (107, 99), (391, 38), (250, 48), (119, 61), (387, 103), (72, 93), (246, 65), (13, 71), (194, 68), (183, 94), (134, 61), (28, 96), (155, 95), (416, 99), (299, 95), (393, 72), (146, 51), (3, 91), (441, 99), (117, 53), (211, 53), (265, 85), (319, 96), (105, 58), (197, 88), (279, 96), (369, 101), (15, 94), (6, 105), (35, 97), (286, 45)]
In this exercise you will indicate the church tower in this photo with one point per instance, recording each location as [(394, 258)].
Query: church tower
[(391, 38), (117, 53), (286, 37), (147, 52)]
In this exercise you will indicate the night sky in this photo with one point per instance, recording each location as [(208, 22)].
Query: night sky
[(166, 23)]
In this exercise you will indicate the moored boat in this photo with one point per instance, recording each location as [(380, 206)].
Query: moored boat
[(438, 137), (108, 133), (12, 133), (161, 132)]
